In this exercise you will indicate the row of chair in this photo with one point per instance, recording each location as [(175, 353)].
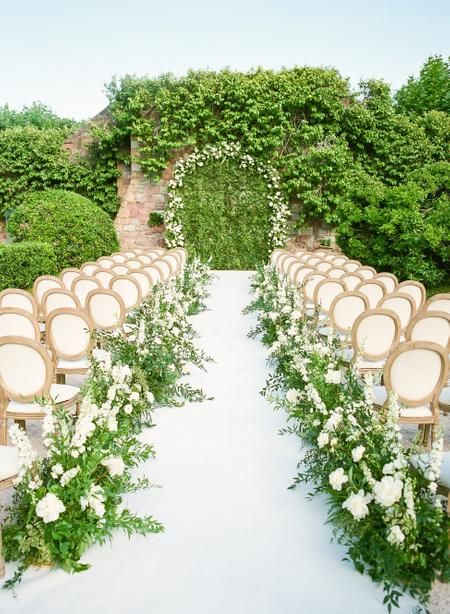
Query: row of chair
[(384, 323)]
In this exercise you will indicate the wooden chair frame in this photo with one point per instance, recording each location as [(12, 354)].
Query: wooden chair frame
[(27, 295)]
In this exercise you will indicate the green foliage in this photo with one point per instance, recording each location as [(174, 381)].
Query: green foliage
[(21, 263), (404, 229), (430, 91), (33, 159), (156, 218), (77, 229), (225, 216), (37, 115)]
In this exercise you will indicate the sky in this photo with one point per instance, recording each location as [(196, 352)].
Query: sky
[(62, 52)]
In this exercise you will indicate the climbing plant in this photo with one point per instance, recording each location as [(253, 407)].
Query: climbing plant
[(225, 206)]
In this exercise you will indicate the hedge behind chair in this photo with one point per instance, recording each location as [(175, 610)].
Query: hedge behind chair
[(21, 263)]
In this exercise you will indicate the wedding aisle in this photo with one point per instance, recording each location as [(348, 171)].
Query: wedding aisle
[(237, 541)]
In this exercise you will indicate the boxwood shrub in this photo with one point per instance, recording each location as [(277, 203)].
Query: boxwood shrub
[(21, 263), (77, 229)]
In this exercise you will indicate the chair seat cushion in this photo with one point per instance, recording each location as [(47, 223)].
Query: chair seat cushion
[(445, 396), (424, 411), (380, 394), (81, 363), (60, 393), (370, 364), (347, 354), (9, 462), (325, 330)]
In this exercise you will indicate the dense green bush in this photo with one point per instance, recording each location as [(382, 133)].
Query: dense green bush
[(77, 229), (37, 115), (430, 91), (33, 159), (21, 263), (225, 215)]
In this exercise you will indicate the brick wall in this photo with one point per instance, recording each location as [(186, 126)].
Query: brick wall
[(2, 232)]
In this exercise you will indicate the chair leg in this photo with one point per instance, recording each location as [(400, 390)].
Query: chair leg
[(2, 560), (60, 378), (22, 424)]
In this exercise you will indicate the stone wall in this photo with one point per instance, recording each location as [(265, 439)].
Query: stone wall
[(2, 232)]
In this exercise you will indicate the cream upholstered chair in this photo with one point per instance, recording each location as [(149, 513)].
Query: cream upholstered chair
[(416, 372), (144, 259), (154, 273), (310, 282), (104, 276), (105, 262), (172, 261), (324, 294), (280, 259), (69, 337), (302, 273), (18, 323), (68, 275), (121, 269), (81, 286), (314, 260), (285, 261), (180, 256), (306, 256), (26, 374), (438, 302), (144, 280), (375, 333), (431, 326), (159, 250), (118, 258), (293, 269), (416, 290), (324, 266), (340, 260), (133, 263), (330, 257), (403, 305), (336, 272), (129, 254), (44, 283), (368, 272), (390, 281), (9, 468), (137, 251), (318, 252), (351, 265), (128, 289), (106, 309), (374, 290), (183, 253), (351, 280), (89, 268), (56, 298), (345, 309), (163, 267), (20, 299)]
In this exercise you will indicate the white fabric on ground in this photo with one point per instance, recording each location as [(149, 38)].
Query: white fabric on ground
[(237, 541)]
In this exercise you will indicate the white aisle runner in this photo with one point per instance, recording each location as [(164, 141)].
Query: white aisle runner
[(237, 541)]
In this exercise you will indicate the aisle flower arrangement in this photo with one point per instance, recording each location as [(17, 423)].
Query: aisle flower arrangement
[(74, 495), (384, 508)]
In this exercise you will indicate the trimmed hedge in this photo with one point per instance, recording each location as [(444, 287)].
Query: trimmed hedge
[(77, 229), (21, 263)]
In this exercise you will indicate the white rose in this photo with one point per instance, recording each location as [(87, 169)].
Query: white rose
[(396, 536), (296, 315), (128, 409), (337, 478), (292, 395), (333, 377), (273, 315), (57, 470), (323, 439), (333, 421), (356, 504), (286, 309), (115, 465), (134, 396), (388, 491), (357, 453), (49, 508)]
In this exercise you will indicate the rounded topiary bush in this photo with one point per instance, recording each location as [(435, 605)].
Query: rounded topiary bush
[(77, 229), (21, 263)]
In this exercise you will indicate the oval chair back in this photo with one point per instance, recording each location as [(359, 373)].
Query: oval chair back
[(118, 258), (16, 322), (403, 305), (133, 264), (275, 255), (44, 283), (58, 298), (314, 260), (416, 290), (26, 369), (351, 280), (340, 260), (375, 333), (172, 261), (69, 334), (20, 299), (105, 262), (310, 282), (144, 280), (324, 266), (336, 272), (368, 272), (144, 259), (438, 302), (105, 309), (154, 273), (293, 269), (89, 268), (433, 326), (104, 276), (374, 290), (68, 275), (416, 372), (129, 254), (351, 265), (121, 269), (326, 291), (163, 267), (346, 308), (81, 286), (390, 281), (128, 289), (302, 274)]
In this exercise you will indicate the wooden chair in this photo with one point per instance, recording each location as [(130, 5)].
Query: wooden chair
[(144, 259), (374, 290), (18, 323), (345, 309), (81, 286), (69, 337), (431, 326), (336, 272), (351, 265), (154, 274), (44, 283), (310, 282), (374, 334), (144, 280), (402, 304), (293, 269), (104, 276), (133, 263), (368, 272), (128, 289), (118, 258), (67, 276), (351, 280), (390, 281), (26, 374), (416, 290), (129, 254), (164, 268), (314, 260), (105, 309), (89, 268), (324, 266), (173, 262), (20, 299), (416, 372), (438, 302), (9, 468), (324, 294), (58, 298), (340, 260), (105, 262)]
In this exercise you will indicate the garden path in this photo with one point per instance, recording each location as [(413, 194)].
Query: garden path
[(237, 540)]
